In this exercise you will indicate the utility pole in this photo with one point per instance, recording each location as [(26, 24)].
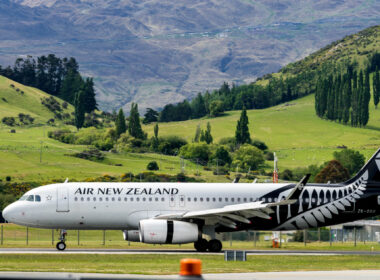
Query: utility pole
[(41, 152), (275, 170)]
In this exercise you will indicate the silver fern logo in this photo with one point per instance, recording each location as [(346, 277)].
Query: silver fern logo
[(322, 204)]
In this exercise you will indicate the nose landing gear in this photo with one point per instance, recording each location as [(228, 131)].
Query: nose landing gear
[(61, 245)]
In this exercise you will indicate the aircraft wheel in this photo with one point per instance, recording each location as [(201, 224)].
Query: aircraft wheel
[(201, 245), (215, 245), (61, 246)]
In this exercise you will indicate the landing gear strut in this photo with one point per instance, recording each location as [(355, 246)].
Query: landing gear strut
[(61, 245), (203, 245)]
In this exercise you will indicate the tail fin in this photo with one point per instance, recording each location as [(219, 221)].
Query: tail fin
[(370, 171)]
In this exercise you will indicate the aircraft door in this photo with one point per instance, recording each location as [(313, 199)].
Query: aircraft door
[(181, 201), (62, 199)]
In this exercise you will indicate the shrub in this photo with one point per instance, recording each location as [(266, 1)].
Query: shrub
[(260, 145), (248, 157), (92, 154), (268, 155), (200, 151), (350, 159), (287, 175), (13, 130), (222, 156), (170, 145), (104, 145), (152, 165), (10, 121), (8, 178)]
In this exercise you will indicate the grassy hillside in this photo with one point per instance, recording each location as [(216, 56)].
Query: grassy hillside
[(291, 130), (356, 47), (16, 98)]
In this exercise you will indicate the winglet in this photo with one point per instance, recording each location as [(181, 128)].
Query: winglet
[(296, 191), (67, 179)]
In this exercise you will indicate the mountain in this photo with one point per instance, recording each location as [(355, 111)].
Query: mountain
[(159, 51)]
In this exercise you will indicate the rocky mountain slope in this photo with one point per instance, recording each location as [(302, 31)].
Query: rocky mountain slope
[(157, 52)]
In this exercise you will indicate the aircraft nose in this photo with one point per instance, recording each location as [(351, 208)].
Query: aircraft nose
[(9, 213)]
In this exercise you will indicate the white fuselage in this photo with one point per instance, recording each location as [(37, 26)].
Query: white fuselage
[(123, 205)]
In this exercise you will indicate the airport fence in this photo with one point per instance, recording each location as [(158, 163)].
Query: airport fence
[(17, 236)]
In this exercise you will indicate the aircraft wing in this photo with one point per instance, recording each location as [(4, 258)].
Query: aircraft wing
[(230, 214)]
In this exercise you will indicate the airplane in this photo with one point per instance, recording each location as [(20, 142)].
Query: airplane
[(177, 213)]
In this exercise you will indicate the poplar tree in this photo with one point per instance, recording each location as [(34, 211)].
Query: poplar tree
[(79, 109), (120, 123), (376, 87), (365, 99), (134, 127), (242, 135), (197, 134), (207, 134)]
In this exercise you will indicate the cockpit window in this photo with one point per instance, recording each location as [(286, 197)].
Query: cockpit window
[(23, 197), (30, 198), (38, 198)]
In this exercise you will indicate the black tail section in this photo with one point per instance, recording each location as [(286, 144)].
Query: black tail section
[(373, 168)]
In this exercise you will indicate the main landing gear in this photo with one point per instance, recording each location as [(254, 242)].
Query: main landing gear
[(61, 245), (214, 245)]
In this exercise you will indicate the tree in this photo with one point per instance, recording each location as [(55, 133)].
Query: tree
[(79, 109), (350, 159), (222, 155), (155, 129), (71, 84), (216, 108), (207, 135), (376, 87), (89, 96), (120, 123), (197, 134), (134, 127), (200, 151), (334, 172), (150, 116), (198, 107), (242, 135), (366, 98), (155, 141), (248, 157)]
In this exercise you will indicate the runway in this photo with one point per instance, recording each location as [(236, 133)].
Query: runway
[(175, 252), (301, 275)]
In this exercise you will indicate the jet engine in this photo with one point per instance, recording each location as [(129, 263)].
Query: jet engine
[(168, 232), (131, 235)]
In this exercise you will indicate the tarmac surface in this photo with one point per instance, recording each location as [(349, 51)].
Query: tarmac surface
[(310, 275), (174, 252)]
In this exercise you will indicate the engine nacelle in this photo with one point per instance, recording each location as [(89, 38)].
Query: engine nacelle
[(168, 232), (131, 235)]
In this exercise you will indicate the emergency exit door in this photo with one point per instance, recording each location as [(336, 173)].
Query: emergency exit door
[(62, 199)]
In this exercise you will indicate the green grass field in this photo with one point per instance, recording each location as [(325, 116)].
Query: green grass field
[(169, 264), (291, 130)]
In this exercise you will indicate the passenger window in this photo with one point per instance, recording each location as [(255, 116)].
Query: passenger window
[(38, 198), (214, 199), (156, 199), (119, 199), (189, 199), (182, 199), (144, 199), (106, 198), (88, 199), (150, 199), (113, 199), (125, 199), (233, 199), (94, 199), (245, 199), (207, 199), (82, 198), (137, 199), (201, 199), (131, 199), (100, 199), (76, 199), (30, 198), (162, 199), (220, 199), (238, 199), (251, 199), (226, 199), (195, 199)]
